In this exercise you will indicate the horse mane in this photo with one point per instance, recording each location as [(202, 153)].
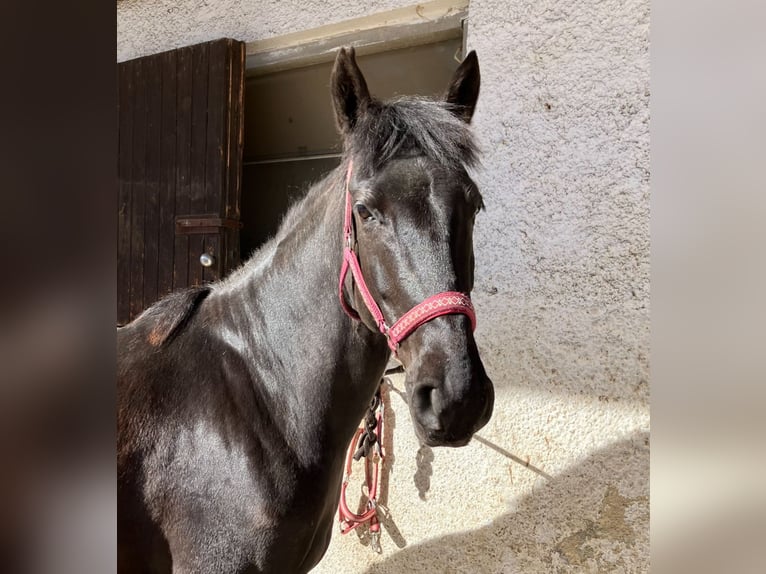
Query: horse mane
[(170, 314), (412, 126)]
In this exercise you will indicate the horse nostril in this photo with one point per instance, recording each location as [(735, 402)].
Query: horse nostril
[(423, 402), (422, 397)]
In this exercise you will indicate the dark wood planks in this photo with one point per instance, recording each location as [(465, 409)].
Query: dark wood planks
[(138, 182), (219, 62), (125, 118), (199, 116), (181, 121), (234, 151), (167, 199), (153, 83), (184, 75)]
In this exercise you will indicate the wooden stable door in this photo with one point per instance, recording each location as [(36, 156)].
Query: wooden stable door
[(180, 167)]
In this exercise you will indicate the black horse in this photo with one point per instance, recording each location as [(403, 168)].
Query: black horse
[(237, 400)]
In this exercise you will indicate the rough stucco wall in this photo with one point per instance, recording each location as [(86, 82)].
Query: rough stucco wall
[(562, 291), (151, 26)]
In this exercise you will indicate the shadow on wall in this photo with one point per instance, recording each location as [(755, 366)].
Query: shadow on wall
[(594, 517)]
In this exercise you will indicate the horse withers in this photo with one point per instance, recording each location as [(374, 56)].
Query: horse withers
[(237, 399)]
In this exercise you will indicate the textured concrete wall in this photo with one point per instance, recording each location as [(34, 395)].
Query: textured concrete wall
[(151, 26), (559, 479)]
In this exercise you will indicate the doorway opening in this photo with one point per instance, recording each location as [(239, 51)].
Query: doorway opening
[(290, 138)]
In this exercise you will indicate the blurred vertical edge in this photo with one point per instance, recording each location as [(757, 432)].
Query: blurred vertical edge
[(58, 157), (708, 150)]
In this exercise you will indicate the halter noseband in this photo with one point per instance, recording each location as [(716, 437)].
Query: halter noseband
[(445, 303)]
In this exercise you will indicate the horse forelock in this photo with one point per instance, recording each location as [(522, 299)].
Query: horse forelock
[(412, 126)]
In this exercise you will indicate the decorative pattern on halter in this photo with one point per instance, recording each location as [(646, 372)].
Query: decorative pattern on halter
[(445, 303), (449, 302)]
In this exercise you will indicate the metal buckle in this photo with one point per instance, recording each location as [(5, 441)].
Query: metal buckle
[(375, 542)]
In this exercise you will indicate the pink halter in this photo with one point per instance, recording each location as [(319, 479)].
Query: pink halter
[(445, 303)]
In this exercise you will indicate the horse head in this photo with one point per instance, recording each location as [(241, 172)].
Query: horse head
[(412, 206)]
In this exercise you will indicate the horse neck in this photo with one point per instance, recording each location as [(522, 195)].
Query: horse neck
[(306, 356)]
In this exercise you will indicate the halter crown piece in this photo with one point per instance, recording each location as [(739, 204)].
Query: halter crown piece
[(445, 303)]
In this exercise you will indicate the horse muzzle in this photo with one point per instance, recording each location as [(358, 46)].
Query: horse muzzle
[(450, 395)]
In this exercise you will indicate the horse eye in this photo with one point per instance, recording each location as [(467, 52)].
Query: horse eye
[(363, 212)]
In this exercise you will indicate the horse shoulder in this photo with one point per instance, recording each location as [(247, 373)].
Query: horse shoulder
[(142, 357)]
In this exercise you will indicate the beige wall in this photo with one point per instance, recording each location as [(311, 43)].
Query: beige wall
[(562, 290)]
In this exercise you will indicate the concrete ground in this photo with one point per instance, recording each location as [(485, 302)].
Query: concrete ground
[(528, 494)]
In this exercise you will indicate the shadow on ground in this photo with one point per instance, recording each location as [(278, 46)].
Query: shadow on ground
[(593, 517)]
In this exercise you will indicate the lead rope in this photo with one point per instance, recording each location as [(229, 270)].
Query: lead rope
[(369, 438), (368, 444)]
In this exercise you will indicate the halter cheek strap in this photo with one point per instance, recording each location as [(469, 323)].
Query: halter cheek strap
[(445, 303)]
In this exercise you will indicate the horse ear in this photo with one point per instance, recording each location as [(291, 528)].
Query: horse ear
[(463, 91), (350, 95)]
